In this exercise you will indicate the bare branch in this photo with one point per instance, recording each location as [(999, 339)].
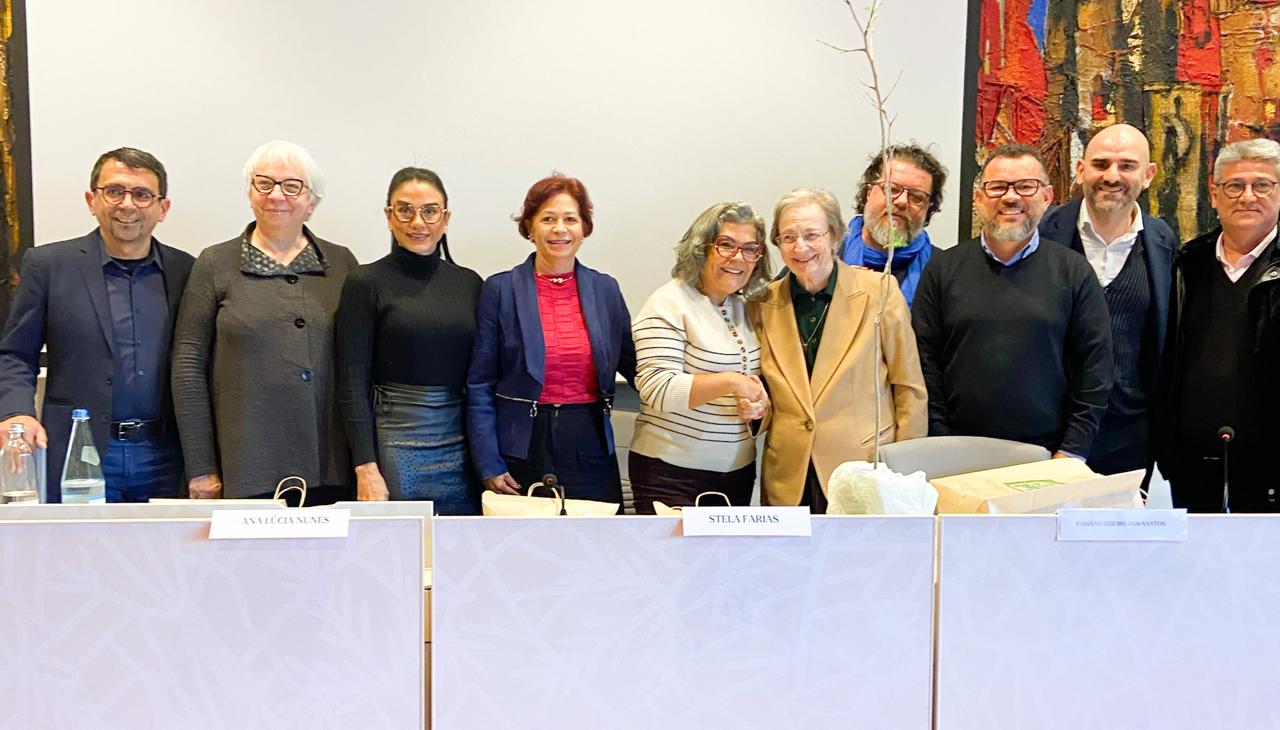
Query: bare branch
[(878, 99)]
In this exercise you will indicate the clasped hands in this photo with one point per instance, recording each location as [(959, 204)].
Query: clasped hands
[(751, 397)]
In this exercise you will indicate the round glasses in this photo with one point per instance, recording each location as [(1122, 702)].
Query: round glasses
[(1235, 188), (1026, 188), (917, 198), (115, 194), (404, 213), (291, 187), (728, 248)]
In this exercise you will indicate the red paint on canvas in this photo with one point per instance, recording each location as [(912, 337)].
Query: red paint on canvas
[(1012, 76), (1199, 45)]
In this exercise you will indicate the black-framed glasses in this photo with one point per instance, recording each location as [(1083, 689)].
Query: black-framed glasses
[(115, 194), (728, 248), (1235, 188), (917, 198), (404, 212), (809, 237), (291, 187), (1026, 188)]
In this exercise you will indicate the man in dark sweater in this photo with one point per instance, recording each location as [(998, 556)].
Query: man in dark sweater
[(1224, 344), (1014, 337), (1132, 255)]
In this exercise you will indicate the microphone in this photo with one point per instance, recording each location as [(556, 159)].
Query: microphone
[(1226, 435)]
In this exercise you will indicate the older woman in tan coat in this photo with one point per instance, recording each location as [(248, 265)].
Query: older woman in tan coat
[(817, 337)]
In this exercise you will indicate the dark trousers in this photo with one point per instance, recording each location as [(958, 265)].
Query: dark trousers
[(813, 497), (569, 441), (654, 480), (138, 471), (1121, 444)]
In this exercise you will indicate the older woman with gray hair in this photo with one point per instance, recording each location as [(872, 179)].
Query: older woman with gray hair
[(697, 366), (817, 329), (253, 363)]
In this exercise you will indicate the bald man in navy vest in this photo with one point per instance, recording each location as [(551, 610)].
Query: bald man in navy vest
[(1132, 255)]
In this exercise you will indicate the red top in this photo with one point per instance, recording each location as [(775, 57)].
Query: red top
[(571, 371)]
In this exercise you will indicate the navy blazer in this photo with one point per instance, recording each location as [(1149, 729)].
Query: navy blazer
[(1158, 246), (61, 302), (508, 359)]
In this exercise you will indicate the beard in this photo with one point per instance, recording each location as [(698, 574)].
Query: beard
[(1128, 196), (881, 232), (1010, 233)]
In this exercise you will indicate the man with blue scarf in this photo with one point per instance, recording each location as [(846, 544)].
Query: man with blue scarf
[(915, 186)]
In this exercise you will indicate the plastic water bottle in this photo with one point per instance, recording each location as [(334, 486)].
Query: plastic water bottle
[(82, 480), (19, 481)]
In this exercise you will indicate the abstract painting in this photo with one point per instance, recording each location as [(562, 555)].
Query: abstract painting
[(15, 148), (1193, 74)]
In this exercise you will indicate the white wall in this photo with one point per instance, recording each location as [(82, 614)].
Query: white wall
[(662, 108)]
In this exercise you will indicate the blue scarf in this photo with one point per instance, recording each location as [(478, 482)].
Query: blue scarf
[(915, 255)]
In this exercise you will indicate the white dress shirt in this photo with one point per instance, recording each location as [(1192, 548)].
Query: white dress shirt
[(1236, 270), (1107, 258)]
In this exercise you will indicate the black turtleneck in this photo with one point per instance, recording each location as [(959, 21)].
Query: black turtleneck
[(406, 319)]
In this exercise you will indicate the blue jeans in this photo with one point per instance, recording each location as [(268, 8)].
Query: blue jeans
[(136, 472)]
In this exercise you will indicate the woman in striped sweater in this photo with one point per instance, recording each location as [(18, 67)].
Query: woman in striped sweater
[(697, 366)]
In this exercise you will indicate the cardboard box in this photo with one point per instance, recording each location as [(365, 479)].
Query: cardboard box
[(1042, 486)]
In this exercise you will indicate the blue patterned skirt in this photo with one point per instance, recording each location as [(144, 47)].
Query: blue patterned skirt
[(422, 447)]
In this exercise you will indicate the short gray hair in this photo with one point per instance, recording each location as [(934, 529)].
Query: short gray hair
[(695, 245), (1261, 149), (294, 154), (823, 199)]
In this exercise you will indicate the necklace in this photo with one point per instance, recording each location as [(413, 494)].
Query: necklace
[(556, 278), (733, 332), (816, 328)]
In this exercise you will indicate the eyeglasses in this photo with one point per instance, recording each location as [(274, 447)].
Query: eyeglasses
[(728, 248), (292, 187), (916, 198), (404, 213), (114, 194), (1025, 188), (1235, 188), (809, 237)]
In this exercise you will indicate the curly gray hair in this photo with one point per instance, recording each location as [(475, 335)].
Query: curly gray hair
[(695, 245)]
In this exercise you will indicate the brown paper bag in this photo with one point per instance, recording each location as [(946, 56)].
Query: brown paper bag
[(527, 505)]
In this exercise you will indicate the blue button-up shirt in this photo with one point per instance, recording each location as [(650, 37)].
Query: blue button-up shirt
[(141, 333), (1026, 251)]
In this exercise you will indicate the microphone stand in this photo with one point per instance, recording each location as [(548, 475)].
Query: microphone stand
[(1226, 434)]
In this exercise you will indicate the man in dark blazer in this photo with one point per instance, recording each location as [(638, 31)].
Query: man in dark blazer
[(104, 305), (1132, 255)]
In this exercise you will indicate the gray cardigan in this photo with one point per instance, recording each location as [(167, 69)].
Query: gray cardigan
[(253, 372)]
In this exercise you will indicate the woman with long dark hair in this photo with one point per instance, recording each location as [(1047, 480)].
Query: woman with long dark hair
[(405, 326)]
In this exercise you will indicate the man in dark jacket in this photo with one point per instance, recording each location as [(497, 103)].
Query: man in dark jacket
[(1218, 376), (104, 304), (1132, 255)]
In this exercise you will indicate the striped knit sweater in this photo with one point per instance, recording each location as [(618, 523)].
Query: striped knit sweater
[(678, 334)]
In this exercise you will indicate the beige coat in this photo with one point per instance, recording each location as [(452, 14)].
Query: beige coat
[(830, 418)]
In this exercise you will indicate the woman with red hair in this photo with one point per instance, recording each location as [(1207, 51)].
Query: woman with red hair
[(550, 335)]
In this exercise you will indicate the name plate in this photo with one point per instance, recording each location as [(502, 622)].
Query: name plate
[(753, 521), (1122, 525), (256, 524)]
